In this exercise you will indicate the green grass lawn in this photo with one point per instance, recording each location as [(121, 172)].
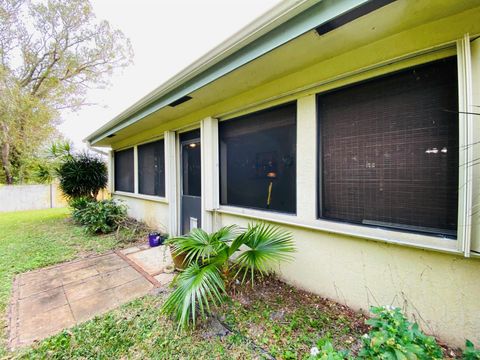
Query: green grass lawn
[(137, 331), (35, 239)]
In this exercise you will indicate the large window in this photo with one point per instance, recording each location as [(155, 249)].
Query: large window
[(257, 160), (123, 165), (151, 168), (388, 153)]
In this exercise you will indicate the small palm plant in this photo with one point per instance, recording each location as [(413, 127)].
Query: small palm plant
[(214, 259)]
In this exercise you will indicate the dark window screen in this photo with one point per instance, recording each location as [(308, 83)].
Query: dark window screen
[(257, 160), (151, 168), (390, 150), (124, 170)]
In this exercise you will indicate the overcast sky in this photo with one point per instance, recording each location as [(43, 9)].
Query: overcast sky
[(167, 36)]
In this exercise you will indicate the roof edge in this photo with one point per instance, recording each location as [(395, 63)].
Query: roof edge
[(263, 24)]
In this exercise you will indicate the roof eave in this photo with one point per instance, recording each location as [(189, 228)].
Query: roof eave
[(265, 24)]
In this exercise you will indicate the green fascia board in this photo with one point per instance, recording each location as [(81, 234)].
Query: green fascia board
[(307, 20)]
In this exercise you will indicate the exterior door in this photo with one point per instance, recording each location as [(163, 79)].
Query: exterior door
[(190, 196)]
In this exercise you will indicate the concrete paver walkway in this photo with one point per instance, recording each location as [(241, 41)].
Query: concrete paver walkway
[(45, 301)]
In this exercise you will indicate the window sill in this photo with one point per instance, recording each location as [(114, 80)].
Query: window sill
[(357, 231), (142, 197)]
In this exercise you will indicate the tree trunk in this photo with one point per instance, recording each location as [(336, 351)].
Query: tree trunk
[(5, 153), (6, 163)]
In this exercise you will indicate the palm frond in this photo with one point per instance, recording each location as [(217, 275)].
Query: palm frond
[(196, 286), (268, 245), (198, 245), (45, 173), (237, 243), (226, 233)]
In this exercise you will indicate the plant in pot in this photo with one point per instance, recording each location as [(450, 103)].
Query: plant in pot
[(213, 261), (177, 253), (178, 258)]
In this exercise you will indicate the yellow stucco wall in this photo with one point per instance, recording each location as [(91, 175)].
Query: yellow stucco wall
[(153, 213)]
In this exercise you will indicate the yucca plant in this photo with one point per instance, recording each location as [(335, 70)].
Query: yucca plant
[(215, 259), (82, 175)]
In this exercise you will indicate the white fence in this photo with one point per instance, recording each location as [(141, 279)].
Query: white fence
[(30, 197)]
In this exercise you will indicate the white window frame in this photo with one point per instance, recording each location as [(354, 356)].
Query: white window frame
[(112, 167), (216, 154), (137, 173), (465, 178), (475, 232), (135, 194)]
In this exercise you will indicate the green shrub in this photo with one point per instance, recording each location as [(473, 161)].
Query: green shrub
[(394, 337), (82, 175), (77, 205), (101, 216), (470, 353), (391, 337)]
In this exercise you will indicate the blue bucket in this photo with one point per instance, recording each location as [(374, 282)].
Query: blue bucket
[(155, 239)]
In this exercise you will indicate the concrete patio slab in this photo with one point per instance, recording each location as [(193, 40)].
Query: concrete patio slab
[(49, 300), (110, 263), (165, 279), (130, 250), (152, 260), (80, 290), (33, 276), (46, 301), (41, 303), (35, 287), (121, 276), (132, 289), (97, 303), (44, 324), (78, 275)]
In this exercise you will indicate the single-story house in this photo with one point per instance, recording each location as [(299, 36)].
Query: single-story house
[(352, 123)]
